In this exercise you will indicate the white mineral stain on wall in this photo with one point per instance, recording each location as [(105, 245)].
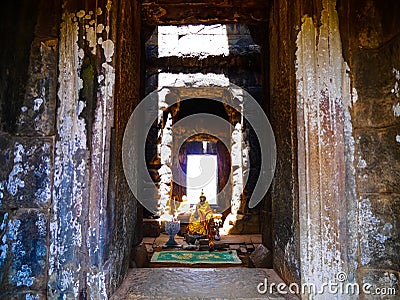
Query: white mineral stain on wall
[(14, 181), (66, 279), (368, 224), (396, 89), (23, 277), (32, 297), (396, 110), (290, 253), (41, 225), (53, 249), (101, 134), (43, 194), (80, 14), (3, 245), (165, 171), (108, 47), (72, 149), (1, 192), (97, 285), (71, 129), (362, 164), (37, 103), (237, 176), (398, 138), (354, 94), (100, 28), (91, 38), (107, 88)]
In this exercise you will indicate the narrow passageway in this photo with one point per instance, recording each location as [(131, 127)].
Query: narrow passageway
[(264, 134)]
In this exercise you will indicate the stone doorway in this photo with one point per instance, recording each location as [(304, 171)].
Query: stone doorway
[(208, 57)]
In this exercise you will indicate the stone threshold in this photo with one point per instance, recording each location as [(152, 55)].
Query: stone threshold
[(199, 283)]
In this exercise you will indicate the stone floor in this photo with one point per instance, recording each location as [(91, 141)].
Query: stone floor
[(200, 283), (243, 244), (175, 281)]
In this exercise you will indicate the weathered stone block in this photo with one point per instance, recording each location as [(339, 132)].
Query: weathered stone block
[(26, 178), (377, 161), (38, 110), (261, 257), (379, 234), (24, 250), (367, 83), (375, 112)]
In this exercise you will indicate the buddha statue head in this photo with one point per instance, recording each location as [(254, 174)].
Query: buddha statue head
[(202, 197)]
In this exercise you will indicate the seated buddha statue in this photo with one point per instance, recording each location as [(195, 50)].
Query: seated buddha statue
[(200, 220)]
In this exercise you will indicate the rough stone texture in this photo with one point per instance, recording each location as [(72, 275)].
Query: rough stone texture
[(371, 44), (377, 160), (23, 260), (37, 114), (14, 57), (86, 219), (125, 217), (240, 61), (203, 12), (261, 257), (141, 259), (77, 210), (26, 179), (322, 84), (200, 283), (27, 98), (379, 232), (282, 104)]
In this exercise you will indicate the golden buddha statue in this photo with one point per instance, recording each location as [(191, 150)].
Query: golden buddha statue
[(200, 219)]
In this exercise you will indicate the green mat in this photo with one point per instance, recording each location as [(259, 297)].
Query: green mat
[(196, 257)]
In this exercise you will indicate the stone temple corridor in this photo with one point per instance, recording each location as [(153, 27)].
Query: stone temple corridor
[(108, 108)]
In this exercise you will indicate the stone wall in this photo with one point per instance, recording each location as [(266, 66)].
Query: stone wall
[(28, 99), (370, 33), (345, 140), (67, 214)]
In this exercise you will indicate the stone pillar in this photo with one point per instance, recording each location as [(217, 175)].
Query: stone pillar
[(234, 108), (321, 83), (83, 212), (165, 170)]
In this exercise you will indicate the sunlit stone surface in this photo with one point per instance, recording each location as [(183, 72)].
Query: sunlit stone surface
[(192, 40), (209, 283)]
